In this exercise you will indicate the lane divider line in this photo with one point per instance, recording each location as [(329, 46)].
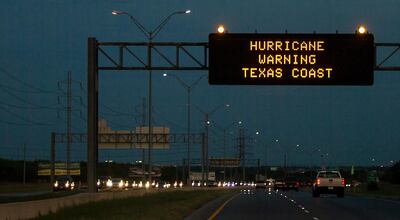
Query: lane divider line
[(217, 211)]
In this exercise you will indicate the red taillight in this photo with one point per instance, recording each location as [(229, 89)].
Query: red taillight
[(343, 182), (318, 181), (297, 184)]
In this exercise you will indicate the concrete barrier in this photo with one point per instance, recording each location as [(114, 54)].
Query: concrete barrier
[(32, 209)]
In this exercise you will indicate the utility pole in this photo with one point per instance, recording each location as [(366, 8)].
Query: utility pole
[(143, 149), (189, 89), (69, 120), (258, 169), (224, 160), (207, 122), (24, 172), (242, 152)]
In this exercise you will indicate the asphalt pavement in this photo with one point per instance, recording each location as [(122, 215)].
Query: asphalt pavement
[(280, 205)]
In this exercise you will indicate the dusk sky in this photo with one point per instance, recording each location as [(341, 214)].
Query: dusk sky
[(41, 41)]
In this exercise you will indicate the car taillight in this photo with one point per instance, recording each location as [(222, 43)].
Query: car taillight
[(318, 181), (343, 182), (297, 184)]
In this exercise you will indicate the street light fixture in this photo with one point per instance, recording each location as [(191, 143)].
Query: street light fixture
[(362, 29), (150, 35), (221, 29), (189, 89)]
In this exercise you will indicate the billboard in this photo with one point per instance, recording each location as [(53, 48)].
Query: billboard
[(291, 59), (224, 162), (127, 139), (44, 169)]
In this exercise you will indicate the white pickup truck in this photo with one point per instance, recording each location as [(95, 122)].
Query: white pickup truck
[(328, 182)]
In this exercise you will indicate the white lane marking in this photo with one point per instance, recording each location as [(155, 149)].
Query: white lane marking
[(315, 218)]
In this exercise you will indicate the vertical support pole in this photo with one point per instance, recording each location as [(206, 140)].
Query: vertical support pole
[(189, 138), (183, 168), (258, 170), (24, 171), (144, 150), (52, 157), (69, 121), (149, 65), (243, 150), (206, 148), (224, 151), (92, 117), (202, 156)]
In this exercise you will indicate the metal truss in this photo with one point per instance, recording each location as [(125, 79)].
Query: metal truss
[(381, 64), (172, 56), (133, 138), (129, 55)]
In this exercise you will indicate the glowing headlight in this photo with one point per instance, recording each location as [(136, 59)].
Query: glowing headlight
[(180, 184), (198, 184), (147, 185), (109, 183), (193, 183), (56, 184), (67, 184), (121, 184), (175, 184), (134, 184), (157, 185), (126, 184), (98, 182)]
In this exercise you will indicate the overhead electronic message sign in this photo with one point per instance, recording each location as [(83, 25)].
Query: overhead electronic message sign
[(291, 59)]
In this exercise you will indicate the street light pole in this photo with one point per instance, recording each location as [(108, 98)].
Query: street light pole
[(150, 36), (206, 124), (189, 89)]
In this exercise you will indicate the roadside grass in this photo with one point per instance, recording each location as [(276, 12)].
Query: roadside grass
[(163, 205), (21, 188), (385, 190), (49, 195)]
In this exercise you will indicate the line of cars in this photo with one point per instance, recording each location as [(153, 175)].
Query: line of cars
[(66, 183), (107, 182), (197, 183)]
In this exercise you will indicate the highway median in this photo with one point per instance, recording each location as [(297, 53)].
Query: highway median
[(174, 204)]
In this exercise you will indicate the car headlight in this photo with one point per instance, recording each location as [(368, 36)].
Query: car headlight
[(67, 184), (147, 185), (180, 184), (109, 183), (56, 184), (121, 184), (126, 184), (98, 182)]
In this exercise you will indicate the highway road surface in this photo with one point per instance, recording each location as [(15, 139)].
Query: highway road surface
[(262, 204)]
